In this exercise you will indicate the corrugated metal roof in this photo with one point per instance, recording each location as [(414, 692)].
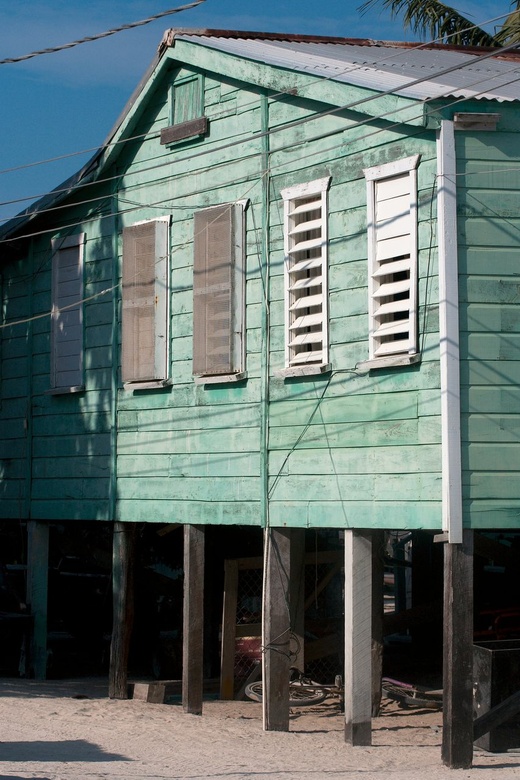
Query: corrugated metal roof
[(409, 71)]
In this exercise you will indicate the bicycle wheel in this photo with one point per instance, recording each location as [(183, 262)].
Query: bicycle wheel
[(412, 696), (301, 694), (254, 691)]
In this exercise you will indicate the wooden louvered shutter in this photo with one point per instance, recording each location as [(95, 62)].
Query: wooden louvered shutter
[(67, 313), (145, 302), (306, 266), (218, 291), (393, 258)]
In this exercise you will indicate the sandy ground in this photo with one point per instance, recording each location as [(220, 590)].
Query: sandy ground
[(70, 730)]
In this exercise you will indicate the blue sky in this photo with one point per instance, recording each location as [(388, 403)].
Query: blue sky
[(66, 102)]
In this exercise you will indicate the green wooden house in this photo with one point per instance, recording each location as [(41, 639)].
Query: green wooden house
[(283, 294)]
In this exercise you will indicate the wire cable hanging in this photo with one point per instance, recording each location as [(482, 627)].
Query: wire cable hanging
[(98, 36)]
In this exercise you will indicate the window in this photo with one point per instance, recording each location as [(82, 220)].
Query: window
[(67, 314), (306, 264), (186, 110), (145, 302), (219, 292), (392, 258)]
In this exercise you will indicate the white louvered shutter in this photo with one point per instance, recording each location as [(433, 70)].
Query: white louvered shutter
[(218, 288), (392, 245), (145, 302), (306, 265), (67, 312)]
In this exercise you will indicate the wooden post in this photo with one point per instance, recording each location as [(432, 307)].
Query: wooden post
[(457, 733), (37, 592), (229, 622), (297, 598), (378, 574), (123, 558), (358, 624), (193, 620), (276, 629)]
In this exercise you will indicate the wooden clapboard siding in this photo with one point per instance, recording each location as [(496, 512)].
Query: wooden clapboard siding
[(489, 231), (191, 453)]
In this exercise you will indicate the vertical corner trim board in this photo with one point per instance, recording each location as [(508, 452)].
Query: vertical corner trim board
[(358, 637)]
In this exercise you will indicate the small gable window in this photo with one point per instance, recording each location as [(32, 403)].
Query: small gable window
[(186, 110), (145, 303), (67, 314), (392, 259), (219, 293)]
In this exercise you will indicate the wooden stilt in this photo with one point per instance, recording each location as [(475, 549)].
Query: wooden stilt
[(276, 629), (229, 620), (457, 733), (193, 620), (358, 623), (297, 598), (378, 572), (123, 555), (37, 590)]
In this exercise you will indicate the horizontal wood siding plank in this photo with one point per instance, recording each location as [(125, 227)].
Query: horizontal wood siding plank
[(201, 512), (357, 514)]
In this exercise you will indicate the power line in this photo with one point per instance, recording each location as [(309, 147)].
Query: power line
[(288, 126), (250, 156), (313, 82), (89, 38)]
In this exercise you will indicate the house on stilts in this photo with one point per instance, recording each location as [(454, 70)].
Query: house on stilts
[(282, 295)]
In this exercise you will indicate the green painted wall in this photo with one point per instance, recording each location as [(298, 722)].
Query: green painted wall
[(351, 448), (488, 197)]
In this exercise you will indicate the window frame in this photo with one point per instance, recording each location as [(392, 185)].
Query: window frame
[(161, 320), (291, 196), (60, 244), (236, 370), (187, 129), (405, 168)]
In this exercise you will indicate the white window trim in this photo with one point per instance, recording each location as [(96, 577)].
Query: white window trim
[(57, 244), (373, 175), (151, 384), (316, 187)]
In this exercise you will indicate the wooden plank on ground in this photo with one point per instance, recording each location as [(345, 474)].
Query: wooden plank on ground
[(193, 620)]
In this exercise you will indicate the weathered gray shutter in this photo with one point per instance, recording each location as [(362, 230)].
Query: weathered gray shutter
[(145, 302), (217, 282), (67, 313)]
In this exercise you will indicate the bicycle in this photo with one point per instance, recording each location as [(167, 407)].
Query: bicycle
[(413, 696), (303, 692)]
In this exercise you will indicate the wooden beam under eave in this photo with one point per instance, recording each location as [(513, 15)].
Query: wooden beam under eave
[(193, 620)]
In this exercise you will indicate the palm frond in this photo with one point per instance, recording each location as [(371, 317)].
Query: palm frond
[(510, 30), (436, 21)]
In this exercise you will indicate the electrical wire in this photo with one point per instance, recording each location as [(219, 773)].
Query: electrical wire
[(163, 201), (291, 125), (362, 122), (285, 92), (98, 36)]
